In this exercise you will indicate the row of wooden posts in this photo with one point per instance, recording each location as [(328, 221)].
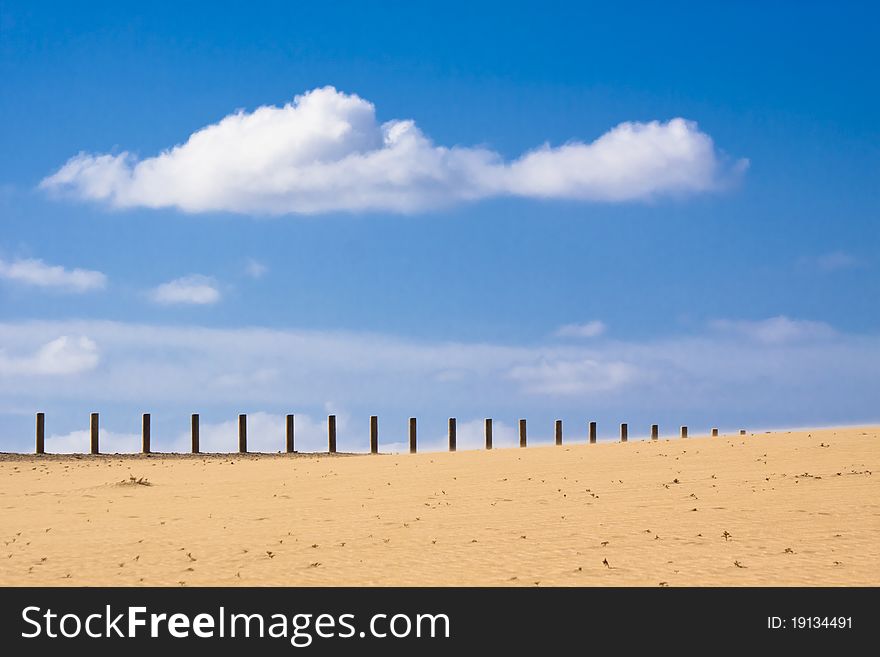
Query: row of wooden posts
[(94, 447)]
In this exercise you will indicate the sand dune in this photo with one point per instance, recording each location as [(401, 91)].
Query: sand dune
[(798, 508)]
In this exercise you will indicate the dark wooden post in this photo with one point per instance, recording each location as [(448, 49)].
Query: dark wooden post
[(592, 432), (41, 433), (288, 446), (452, 436), (374, 434), (488, 433), (412, 435), (93, 431), (194, 432), (145, 433), (522, 433), (558, 432), (623, 431), (331, 434), (242, 434), (655, 431), (684, 431), (714, 432)]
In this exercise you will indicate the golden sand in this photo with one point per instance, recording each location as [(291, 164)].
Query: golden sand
[(788, 508)]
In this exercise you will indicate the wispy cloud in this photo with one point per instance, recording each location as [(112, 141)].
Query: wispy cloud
[(809, 364), (327, 152), (573, 376), (836, 261), (37, 273), (194, 289), (61, 356), (777, 371), (591, 329), (255, 269), (775, 330)]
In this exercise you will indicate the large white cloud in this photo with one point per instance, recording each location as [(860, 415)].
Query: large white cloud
[(31, 271), (326, 151)]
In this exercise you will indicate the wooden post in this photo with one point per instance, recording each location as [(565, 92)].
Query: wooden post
[(623, 432), (655, 431), (452, 436), (242, 434), (374, 434), (714, 432), (684, 431), (41, 433), (194, 432), (145, 433), (331, 434), (558, 432), (288, 446), (93, 431), (412, 435), (592, 433), (522, 433), (488, 433)]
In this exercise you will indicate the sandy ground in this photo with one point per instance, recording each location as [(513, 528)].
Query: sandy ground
[(798, 508)]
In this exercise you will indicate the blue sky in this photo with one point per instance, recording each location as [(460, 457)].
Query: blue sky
[(740, 289)]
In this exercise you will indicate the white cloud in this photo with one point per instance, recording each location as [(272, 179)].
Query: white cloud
[(38, 273), (591, 329), (63, 355), (265, 433), (262, 376), (326, 152), (775, 330), (779, 371), (247, 365), (193, 289), (79, 441), (567, 376), (255, 269), (256, 365), (469, 434)]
